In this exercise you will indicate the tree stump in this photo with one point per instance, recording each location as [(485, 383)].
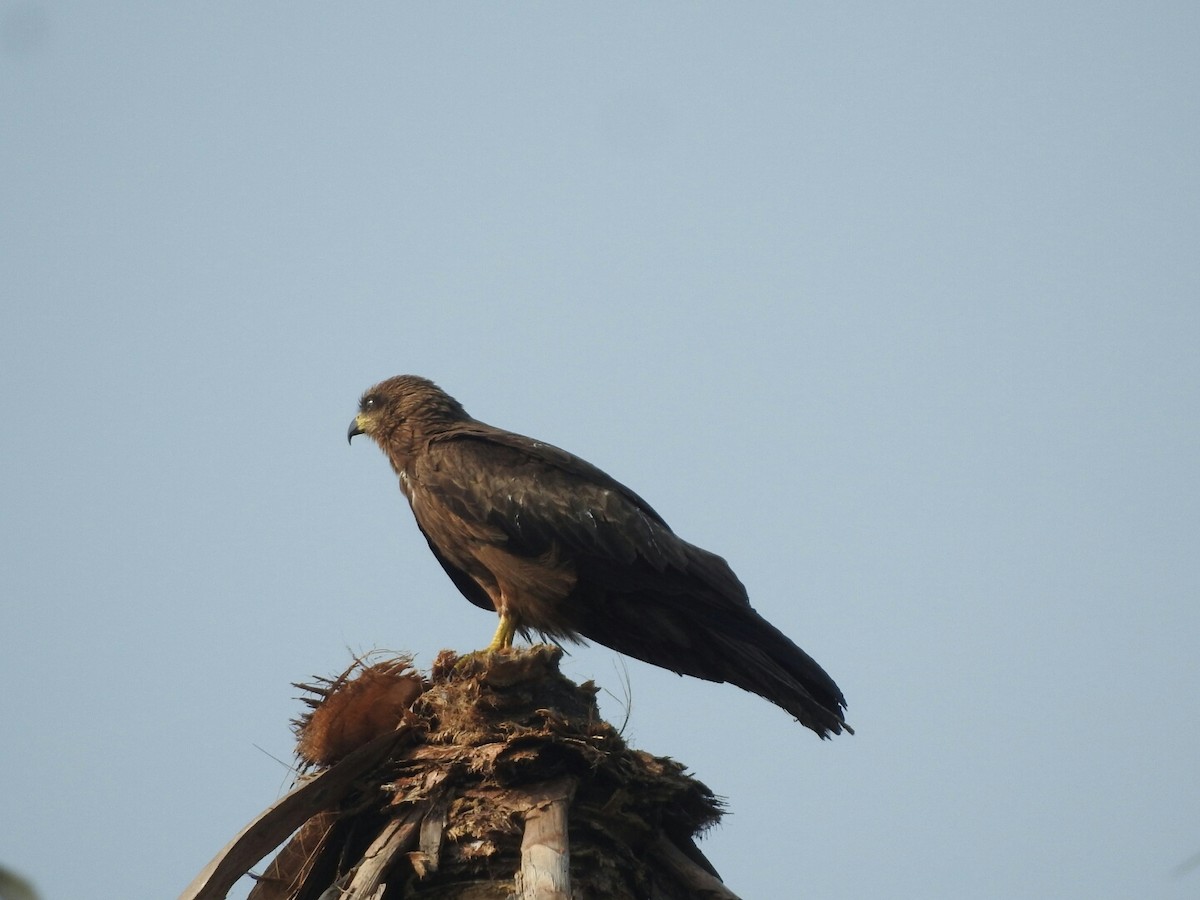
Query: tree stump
[(492, 778)]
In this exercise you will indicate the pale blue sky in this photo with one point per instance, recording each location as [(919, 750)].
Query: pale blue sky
[(895, 306)]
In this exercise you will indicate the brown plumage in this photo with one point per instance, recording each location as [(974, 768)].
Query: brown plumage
[(558, 547)]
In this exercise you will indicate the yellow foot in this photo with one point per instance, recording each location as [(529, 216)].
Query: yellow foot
[(477, 660), (505, 633)]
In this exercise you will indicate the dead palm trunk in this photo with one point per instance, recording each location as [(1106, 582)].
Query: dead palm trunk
[(495, 778)]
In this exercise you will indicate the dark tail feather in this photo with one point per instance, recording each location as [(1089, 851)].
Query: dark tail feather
[(723, 643), (770, 665)]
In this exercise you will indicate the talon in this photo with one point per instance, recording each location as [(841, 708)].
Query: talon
[(505, 632)]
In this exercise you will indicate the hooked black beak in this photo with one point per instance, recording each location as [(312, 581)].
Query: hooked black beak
[(354, 429)]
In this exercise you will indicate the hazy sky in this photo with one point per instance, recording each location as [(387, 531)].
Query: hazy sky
[(895, 306)]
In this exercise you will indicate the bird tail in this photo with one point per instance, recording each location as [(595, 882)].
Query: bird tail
[(719, 642), (759, 658)]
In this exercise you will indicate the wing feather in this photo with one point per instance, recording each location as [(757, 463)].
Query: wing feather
[(541, 497)]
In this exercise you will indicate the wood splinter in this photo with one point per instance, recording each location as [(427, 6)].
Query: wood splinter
[(545, 872)]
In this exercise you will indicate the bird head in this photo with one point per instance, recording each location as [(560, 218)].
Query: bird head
[(401, 413)]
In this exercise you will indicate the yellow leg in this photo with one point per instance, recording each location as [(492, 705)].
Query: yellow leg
[(505, 633)]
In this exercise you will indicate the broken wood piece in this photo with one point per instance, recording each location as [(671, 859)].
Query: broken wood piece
[(545, 872)]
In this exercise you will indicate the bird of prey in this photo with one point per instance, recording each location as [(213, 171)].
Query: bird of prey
[(556, 546)]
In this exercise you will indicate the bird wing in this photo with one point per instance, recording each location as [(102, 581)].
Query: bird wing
[(531, 500), (541, 497)]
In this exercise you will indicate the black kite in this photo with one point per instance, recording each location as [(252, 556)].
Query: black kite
[(556, 546)]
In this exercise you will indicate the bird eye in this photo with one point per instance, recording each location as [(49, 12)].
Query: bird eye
[(369, 403)]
